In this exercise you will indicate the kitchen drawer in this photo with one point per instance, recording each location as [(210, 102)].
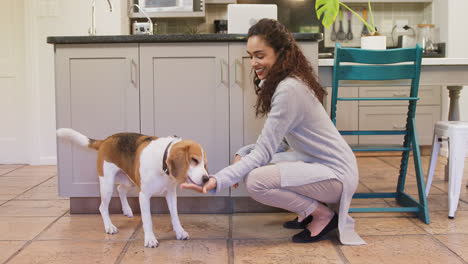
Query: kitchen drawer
[(428, 95), (346, 111), (394, 118)]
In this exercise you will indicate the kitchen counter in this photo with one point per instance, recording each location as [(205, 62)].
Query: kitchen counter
[(167, 38), (425, 61)]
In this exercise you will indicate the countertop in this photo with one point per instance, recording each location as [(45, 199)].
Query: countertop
[(425, 61), (167, 38)]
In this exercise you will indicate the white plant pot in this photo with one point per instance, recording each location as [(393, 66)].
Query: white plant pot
[(374, 42)]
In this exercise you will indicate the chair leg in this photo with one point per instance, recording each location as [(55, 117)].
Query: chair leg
[(432, 163), (457, 162)]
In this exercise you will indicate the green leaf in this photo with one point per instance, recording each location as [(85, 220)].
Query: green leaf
[(329, 9)]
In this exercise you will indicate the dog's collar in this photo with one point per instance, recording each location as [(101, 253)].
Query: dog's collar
[(165, 167)]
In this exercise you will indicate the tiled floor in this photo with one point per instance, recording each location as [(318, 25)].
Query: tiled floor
[(36, 227)]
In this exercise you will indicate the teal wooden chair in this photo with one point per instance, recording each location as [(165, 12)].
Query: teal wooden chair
[(373, 65)]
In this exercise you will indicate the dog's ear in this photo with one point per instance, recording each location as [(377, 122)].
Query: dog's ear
[(205, 161), (178, 163)]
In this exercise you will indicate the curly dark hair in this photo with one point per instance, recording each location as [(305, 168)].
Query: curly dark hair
[(290, 62)]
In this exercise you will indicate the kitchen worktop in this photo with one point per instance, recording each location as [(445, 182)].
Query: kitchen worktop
[(167, 38), (425, 61)]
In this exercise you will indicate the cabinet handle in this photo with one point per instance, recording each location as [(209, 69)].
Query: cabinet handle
[(399, 94), (222, 70), (397, 126), (132, 72), (235, 69)]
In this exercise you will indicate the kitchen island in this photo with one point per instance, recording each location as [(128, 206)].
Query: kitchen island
[(196, 86)]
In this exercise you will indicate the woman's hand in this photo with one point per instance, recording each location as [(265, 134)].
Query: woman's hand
[(236, 159), (209, 185)]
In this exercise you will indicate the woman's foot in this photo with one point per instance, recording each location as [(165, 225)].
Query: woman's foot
[(322, 215), (298, 224), (306, 236)]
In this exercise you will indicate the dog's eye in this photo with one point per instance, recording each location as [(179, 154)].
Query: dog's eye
[(195, 160)]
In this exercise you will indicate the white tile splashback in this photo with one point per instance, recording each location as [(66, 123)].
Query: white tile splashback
[(385, 16)]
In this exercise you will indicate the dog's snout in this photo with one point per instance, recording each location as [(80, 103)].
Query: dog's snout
[(205, 178)]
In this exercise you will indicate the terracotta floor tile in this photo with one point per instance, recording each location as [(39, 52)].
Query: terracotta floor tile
[(4, 169), (380, 203), (284, 251), (178, 251), (198, 226), (362, 188), (254, 226), (386, 226), (22, 228), (46, 170), (79, 227), (399, 249), (45, 191), (457, 243), (441, 224), (34, 208), (13, 186), (410, 187), (71, 251), (8, 248), (443, 185)]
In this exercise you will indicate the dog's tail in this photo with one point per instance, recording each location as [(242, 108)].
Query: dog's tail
[(78, 138)]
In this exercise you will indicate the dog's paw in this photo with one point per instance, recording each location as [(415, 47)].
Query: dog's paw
[(182, 235), (151, 241), (111, 229), (127, 212)]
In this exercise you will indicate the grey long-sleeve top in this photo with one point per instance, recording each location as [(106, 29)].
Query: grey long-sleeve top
[(297, 115)]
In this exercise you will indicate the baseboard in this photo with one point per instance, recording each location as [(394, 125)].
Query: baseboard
[(47, 160), (185, 205)]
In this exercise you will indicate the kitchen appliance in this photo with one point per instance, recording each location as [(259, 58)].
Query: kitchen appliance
[(167, 5), (242, 16), (220, 26), (142, 28), (169, 8)]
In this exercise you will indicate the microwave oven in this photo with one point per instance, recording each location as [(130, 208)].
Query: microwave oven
[(171, 6)]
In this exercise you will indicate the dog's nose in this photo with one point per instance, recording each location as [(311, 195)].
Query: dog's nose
[(205, 179)]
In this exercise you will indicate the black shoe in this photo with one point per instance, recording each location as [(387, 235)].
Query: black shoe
[(304, 236), (294, 224)]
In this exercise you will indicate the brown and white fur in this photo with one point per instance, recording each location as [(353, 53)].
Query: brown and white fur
[(131, 159)]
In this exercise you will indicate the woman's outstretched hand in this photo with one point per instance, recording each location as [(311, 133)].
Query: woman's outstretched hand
[(209, 185)]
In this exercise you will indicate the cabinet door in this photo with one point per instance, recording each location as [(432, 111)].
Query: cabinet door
[(394, 118), (97, 94), (184, 92), (346, 111), (245, 126)]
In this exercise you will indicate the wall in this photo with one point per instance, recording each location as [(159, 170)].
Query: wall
[(14, 113), (28, 101), (449, 16)]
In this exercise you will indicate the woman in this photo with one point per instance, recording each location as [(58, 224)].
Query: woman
[(321, 168)]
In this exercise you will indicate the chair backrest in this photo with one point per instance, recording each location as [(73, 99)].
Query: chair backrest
[(372, 65)]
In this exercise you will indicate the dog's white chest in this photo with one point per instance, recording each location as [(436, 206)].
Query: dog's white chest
[(152, 177)]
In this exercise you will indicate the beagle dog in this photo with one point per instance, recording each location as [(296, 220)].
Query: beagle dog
[(155, 165)]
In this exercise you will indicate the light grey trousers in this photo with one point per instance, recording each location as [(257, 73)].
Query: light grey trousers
[(264, 185)]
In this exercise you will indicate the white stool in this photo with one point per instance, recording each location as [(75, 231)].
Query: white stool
[(457, 134)]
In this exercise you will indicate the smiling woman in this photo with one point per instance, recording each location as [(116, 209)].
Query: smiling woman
[(319, 169)]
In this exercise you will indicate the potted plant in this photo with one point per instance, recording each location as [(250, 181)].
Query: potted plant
[(328, 10)]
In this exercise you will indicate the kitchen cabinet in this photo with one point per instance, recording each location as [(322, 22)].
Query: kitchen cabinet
[(244, 125), (97, 94), (185, 92), (386, 115), (195, 90)]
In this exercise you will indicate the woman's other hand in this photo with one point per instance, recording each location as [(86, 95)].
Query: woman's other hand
[(209, 185), (236, 159)]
